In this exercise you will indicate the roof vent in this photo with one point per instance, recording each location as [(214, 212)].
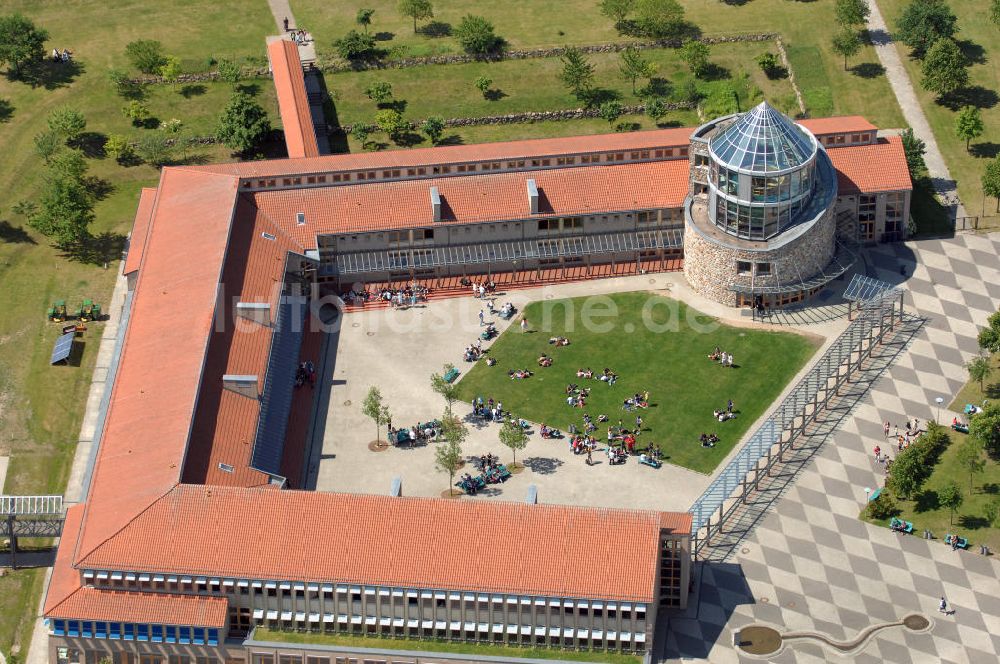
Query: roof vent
[(436, 203), (300, 218), (532, 498), (243, 385), (269, 236), (258, 312), (397, 487), (225, 467), (533, 196)]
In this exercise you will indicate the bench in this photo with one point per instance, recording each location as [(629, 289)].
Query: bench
[(905, 526), (451, 375), (875, 494), (960, 542), (961, 428)]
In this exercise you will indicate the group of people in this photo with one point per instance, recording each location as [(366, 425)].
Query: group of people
[(64, 55), (559, 341), (488, 410), (708, 439), (722, 357), (395, 297), (544, 360), (491, 471), (473, 351), (637, 400), (480, 290), (306, 373)]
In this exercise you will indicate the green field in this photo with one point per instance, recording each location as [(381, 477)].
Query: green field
[(668, 358), (980, 39)]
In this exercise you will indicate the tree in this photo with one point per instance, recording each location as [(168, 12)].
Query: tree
[(230, 72), (68, 165), (914, 148), (374, 408), (577, 73), (851, 12), (979, 369), (846, 43), (118, 147), (660, 18), (67, 122), (656, 109), (768, 63), (951, 497), (361, 131), (477, 36), (985, 427), (379, 92), (944, 68), (433, 127), (924, 22), (991, 185), (364, 18), (610, 111), (995, 11), (513, 436), (170, 70), (65, 212), (882, 507), (617, 10), (483, 84), (449, 391), (136, 111), (154, 149), (695, 54), (47, 144), (123, 85), (992, 512), (146, 55), (969, 124), (908, 472), (21, 41), (418, 10), (243, 124), (633, 66), (970, 458), (355, 45), (448, 457), (391, 122)]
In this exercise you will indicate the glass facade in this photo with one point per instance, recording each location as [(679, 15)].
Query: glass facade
[(135, 632), (763, 140)]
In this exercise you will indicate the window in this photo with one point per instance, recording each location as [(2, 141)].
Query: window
[(142, 632), (743, 267), (157, 633)]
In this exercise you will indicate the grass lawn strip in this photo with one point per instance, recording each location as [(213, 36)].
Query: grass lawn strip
[(685, 386), (433, 645)]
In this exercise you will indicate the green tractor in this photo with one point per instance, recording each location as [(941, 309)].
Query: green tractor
[(57, 312), (88, 311)]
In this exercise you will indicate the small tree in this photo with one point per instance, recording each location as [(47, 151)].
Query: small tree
[(170, 70), (660, 18), (477, 36), (995, 11), (65, 211), (118, 147), (418, 10), (908, 473), (243, 123), (951, 497), (448, 457), (969, 124), (851, 13), (21, 41), (656, 109), (146, 55), (985, 428), (433, 127), (68, 165), (577, 73), (914, 148), (979, 369), (379, 92), (924, 22), (122, 84), (483, 84), (47, 144), (695, 55), (617, 10), (633, 66), (882, 507), (991, 184), (448, 391), (610, 111), (362, 131), (355, 45), (944, 68), (230, 72), (992, 512), (364, 18), (846, 43), (970, 458), (67, 122), (513, 436), (136, 111), (768, 63), (154, 149), (374, 408), (391, 122)]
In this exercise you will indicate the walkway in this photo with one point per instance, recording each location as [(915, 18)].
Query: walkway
[(807, 562), (281, 10), (902, 87)]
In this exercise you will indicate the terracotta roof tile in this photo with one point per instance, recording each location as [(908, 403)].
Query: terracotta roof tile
[(140, 227), (293, 103), (65, 580), (842, 124), (871, 168), (488, 546), (136, 607)]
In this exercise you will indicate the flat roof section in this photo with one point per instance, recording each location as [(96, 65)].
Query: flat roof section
[(140, 229), (293, 103)]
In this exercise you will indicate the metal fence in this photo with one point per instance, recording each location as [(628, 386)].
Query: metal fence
[(876, 318)]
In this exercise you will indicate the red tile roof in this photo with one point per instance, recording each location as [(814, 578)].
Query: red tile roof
[(64, 580), (140, 227), (293, 103), (143, 607), (476, 198), (487, 546), (636, 140), (842, 124), (871, 168)]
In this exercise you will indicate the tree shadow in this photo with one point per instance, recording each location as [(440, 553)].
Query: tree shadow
[(249, 89), (383, 36), (398, 105), (99, 249), (542, 465), (14, 234), (193, 90), (193, 159), (985, 151), (6, 110), (992, 391), (98, 187), (494, 94), (47, 74), (656, 87), (624, 127), (91, 144), (597, 96), (148, 123), (735, 3), (973, 522), (879, 37), (407, 139), (667, 124), (714, 72), (926, 501), (435, 29), (776, 73), (975, 95), (453, 139), (868, 70), (973, 52), (991, 488)]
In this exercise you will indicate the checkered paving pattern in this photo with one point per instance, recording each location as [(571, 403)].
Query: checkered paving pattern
[(807, 562)]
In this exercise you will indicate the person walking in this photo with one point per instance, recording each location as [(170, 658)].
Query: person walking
[(885, 428), (729, 406), (943, 606), (481, 323), (524, 325)]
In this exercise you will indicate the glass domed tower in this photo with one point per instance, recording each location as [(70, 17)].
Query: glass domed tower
[(759, 225)]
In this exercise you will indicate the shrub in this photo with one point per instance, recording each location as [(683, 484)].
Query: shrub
[(146, 55), (882, 507), (477, 37), (356, 46)]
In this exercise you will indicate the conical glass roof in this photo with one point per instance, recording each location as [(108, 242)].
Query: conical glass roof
[(763, 139)]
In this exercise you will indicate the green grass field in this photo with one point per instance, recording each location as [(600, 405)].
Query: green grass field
[(969, 521), (980, 39), (971, 392), (668, 358)]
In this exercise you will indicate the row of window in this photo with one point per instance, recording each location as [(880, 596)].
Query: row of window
[(746, 268), (841, 139), (136, 632), (756, 222), (762, 189)]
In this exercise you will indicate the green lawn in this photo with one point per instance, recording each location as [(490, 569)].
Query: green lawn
[(971, 392), (976, 33), (969, 521), (434, 645), (668, 358)]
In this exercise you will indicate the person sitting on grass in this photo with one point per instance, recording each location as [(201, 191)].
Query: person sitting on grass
[(715, 355), (584, 373), (544, 361), (608, 376), (559, 341), (519, 374)]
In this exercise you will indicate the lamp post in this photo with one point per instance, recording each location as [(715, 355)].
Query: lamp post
[(868, 493), (938, 401)]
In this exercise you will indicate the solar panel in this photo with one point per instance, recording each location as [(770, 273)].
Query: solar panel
[(63, 347)]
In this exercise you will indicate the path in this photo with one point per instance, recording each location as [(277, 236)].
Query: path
[(808, 562), (902, 87), (281, 10)]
